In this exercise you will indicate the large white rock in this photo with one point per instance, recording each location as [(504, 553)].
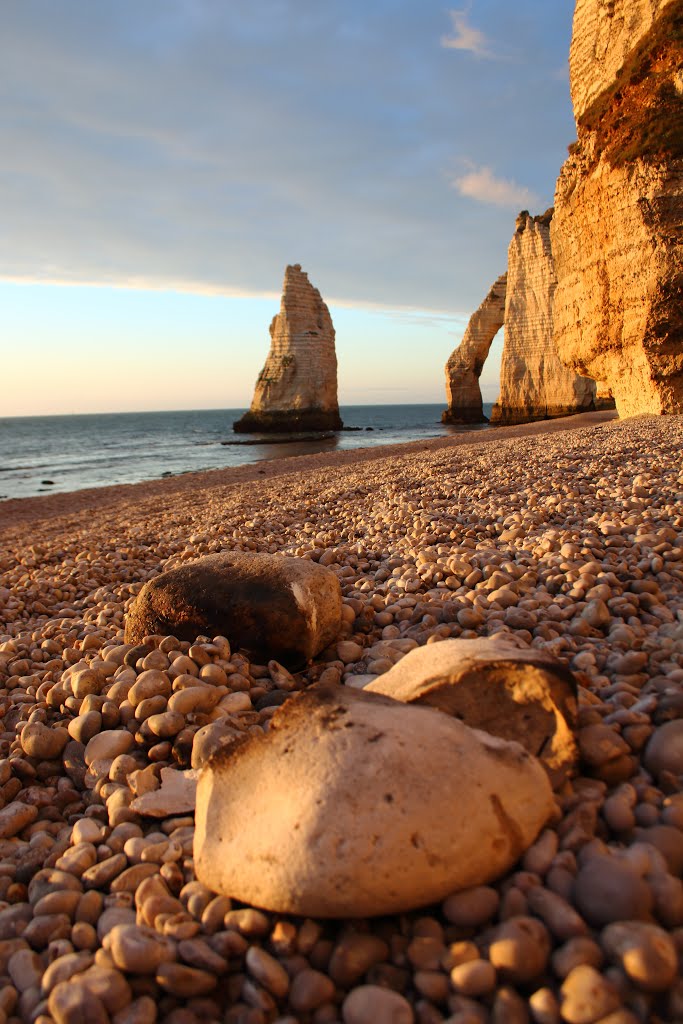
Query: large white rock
[(508, 689), (354, 804)]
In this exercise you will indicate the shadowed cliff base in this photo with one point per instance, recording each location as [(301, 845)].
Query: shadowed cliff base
[(293, 422), (463, 416), (510, 416)]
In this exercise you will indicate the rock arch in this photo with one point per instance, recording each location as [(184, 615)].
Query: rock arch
[(534, 383)]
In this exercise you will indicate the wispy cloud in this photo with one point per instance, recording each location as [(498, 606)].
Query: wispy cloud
[(480, 183), (466, 36)]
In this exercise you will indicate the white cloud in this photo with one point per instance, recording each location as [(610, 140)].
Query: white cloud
[(465, 36), (480, 183)]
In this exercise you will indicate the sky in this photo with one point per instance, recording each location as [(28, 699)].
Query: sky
[(164, 160)]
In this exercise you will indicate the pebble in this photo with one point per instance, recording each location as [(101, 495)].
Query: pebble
[(353, 955), (15, 817), (267, 971), (137, 949), (183, 981), (471, 908), (370, 1004), (609, 889), (664, 750), (474, 978), (309, 990), (645, 952), (519, 949), (107, 745), (586, 996)]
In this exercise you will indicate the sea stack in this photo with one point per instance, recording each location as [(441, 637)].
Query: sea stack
[(616, 232), (296, 390), (534, 384), (465, 364)]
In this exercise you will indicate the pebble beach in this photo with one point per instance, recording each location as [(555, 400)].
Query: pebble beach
[(566, 533)]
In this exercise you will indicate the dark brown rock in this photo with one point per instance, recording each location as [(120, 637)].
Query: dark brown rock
[(273, 606)]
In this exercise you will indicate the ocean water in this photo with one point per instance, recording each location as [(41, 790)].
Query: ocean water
[(48, 454)]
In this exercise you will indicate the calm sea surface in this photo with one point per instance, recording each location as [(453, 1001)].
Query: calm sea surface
[(45, 454)]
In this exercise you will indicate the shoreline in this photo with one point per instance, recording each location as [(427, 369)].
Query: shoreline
[(17, 511)]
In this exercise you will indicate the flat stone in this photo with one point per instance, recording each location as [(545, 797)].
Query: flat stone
[(380, 806), (276, 607), (176, 795), (511, 691)]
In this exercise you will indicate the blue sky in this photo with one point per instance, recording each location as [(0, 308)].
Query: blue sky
[(163, 160)]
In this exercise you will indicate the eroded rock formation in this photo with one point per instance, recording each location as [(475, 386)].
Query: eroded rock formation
[(297, 388), (465, 364), (534, 384), (617, 228)]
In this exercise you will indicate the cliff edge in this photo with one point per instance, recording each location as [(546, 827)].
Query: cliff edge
[(618, 224)]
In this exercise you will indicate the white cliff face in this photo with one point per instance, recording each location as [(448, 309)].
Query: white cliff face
[(616, 233), (464, 366), (297, 387), (534, 384), (605, 33), (618, 301)]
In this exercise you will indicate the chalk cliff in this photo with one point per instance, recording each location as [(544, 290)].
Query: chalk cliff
[(464, 366), (618, 224), (605, 35), (297, 388), (534, 384)]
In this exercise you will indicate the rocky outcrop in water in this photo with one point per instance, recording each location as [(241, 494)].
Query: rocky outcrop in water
[(617, 229), (534, 384), (465, 364), (297, 388)]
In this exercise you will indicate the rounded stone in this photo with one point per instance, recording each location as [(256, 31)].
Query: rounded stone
[(608, 889), (274, 606), (664, 750), (646, 953), (519, 949), (353, 955), (42, 741), (586, 996), (108, 745), (138, 949), (370, 1004), (474, 978), (471, 908), (309, 990)]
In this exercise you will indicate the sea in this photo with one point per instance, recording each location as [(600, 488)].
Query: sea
[(49, 454)]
